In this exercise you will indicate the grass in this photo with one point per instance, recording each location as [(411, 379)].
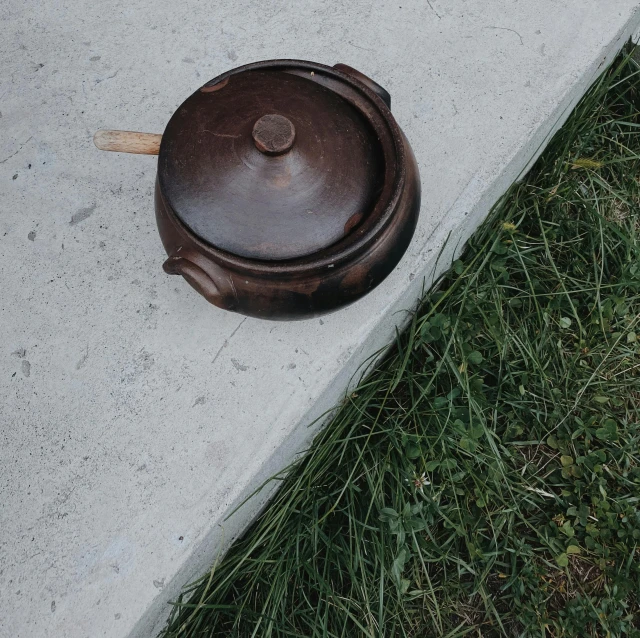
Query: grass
[(485, 479)]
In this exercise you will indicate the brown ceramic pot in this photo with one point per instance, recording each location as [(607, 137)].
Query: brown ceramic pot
[(285, 188)]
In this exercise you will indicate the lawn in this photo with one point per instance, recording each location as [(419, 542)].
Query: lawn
[(485, 479)]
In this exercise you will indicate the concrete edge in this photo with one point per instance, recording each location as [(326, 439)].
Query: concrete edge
[(452, 239)]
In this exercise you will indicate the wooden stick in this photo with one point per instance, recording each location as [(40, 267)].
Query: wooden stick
[(128, 142)]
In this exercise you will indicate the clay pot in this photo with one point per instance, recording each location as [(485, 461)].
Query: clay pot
[(285, 189)]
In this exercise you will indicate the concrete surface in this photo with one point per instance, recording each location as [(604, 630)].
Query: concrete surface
[(134, 416)]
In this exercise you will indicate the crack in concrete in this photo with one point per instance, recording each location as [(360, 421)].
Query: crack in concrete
[(507, 29), (21, 147), (226, 341), (108, 77), (432, 9)]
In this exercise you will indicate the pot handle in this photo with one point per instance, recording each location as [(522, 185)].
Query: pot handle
[(368, 82), (220, 292), (128, 142)]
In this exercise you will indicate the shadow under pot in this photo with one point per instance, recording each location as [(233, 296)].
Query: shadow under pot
[(285, 189)]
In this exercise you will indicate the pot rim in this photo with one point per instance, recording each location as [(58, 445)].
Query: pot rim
[(356, 242)]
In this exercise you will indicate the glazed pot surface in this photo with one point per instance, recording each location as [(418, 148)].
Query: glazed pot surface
[(234, 193)]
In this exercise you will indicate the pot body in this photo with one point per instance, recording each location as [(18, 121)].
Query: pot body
[(296, 288)]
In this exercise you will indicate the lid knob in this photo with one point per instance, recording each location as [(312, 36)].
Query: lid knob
[(273, 134)]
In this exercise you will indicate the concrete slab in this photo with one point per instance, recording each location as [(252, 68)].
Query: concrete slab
[(135, 416)]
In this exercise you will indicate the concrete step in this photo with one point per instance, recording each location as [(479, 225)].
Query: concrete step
[(134, 416)]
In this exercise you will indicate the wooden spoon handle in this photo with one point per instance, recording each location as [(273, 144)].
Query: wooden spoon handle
[(128, 142)]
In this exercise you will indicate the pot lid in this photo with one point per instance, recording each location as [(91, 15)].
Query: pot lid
[(274, 161)]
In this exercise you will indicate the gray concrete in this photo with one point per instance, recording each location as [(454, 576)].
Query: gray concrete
[(134, 416)]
